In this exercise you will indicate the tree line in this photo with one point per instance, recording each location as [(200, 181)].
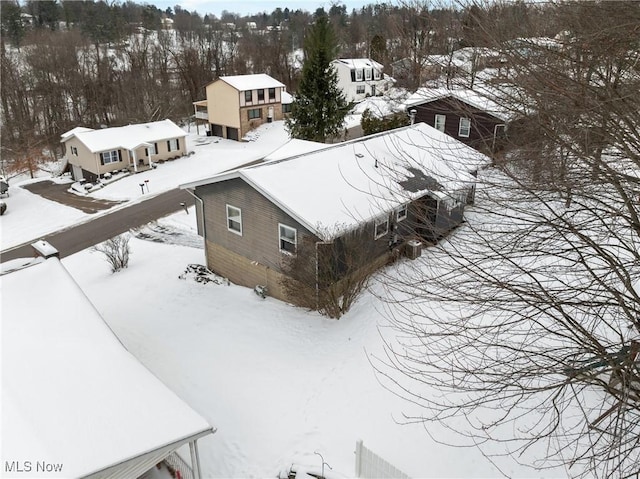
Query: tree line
[(93, 63)]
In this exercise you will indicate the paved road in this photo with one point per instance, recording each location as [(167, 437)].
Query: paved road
[(76, 238)]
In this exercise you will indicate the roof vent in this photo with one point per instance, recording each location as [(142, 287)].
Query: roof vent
[(359, 155)]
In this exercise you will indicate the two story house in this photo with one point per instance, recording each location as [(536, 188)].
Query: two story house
[(360, 77), (413, 182), (237, 104)]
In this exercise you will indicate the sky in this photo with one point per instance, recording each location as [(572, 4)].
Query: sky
[(247, 7)]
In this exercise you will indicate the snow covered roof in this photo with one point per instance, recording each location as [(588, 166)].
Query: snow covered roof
[(294, 147), (128, 137), (71, 393), (251, 82), (335, 189), (286, 97), (358, 63), (470, 97)]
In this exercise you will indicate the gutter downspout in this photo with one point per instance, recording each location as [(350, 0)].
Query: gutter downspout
[(194, 464), (195, 446)]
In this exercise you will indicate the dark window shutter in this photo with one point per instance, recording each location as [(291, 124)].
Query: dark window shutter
[(168, 145), (155, 148), (178, 143), (102, 158), (119, 155), (353, 75), (146, 152)]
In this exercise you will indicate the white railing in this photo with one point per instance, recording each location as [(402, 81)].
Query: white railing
[(202, 115), (371, 466), (178, 464)]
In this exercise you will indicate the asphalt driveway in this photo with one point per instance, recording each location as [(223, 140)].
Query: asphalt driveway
[(58, 192)]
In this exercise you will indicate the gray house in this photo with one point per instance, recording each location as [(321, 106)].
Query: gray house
[(409, 183)]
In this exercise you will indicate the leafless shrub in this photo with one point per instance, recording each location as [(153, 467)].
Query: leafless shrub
[(116, 252), (329, 276)]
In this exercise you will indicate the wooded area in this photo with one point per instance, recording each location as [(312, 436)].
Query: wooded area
[(83, 63)]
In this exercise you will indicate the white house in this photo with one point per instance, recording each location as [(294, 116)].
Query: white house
[(360, 77)]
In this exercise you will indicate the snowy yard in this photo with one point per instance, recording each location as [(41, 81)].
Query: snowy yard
[(278, 382)]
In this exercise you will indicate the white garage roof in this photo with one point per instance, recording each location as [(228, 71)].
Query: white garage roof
[(71, 393)]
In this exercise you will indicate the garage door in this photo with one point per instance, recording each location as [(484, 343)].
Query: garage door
[(232, 133)]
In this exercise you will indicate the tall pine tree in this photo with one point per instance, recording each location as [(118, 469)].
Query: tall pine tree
[(319, 107)]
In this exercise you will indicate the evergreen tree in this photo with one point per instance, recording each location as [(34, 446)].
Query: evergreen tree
[(319, 107)]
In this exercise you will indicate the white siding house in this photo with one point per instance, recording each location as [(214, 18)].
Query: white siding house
[(360, 77)]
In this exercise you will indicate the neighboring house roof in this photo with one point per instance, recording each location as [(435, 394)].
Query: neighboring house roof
[(335, 189), (251, 82), (71, 392), (128, 137), (295, 147), (359, 63), (286, 97), (470, 97)]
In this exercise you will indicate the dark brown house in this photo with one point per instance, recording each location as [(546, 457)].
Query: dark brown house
[(385, 189), (462, 114)]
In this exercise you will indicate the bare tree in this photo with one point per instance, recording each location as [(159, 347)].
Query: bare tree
[(525, 325), (329, 276), (116, 252)]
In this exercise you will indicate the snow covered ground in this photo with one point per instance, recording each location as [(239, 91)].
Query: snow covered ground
[(29, 216), (278, 382)]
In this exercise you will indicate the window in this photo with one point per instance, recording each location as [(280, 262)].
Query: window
[(401, 213), (358, 75), (255, 113), (382, 227), (272, 93), (110, 157), (440, 121), (260, 95), (74, 151), (359, 89), (173, 145), (286, 108), (288, 238), (377, 74), (248, 97), (154, 151), (367, 74), (234, 219), (465, 127)]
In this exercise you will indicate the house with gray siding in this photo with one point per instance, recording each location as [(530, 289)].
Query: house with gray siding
[(409, 183)]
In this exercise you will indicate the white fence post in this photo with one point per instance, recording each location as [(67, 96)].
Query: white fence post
[(358, 457)]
